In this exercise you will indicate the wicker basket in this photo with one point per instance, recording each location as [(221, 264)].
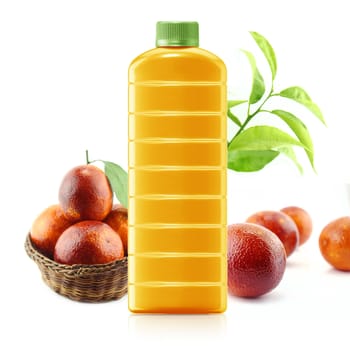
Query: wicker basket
[(90, 283)]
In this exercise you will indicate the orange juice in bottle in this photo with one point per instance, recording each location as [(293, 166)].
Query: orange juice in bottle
[(177, 176)]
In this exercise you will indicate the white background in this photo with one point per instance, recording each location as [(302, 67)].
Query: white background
[(63, 89)]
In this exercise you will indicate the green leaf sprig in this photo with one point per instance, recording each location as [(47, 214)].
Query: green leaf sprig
[(117, 177), (252, 148)]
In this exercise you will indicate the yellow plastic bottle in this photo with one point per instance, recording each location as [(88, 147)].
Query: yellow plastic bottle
[(177, 176)]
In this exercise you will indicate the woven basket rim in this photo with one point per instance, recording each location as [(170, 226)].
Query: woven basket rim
[(76, 269)]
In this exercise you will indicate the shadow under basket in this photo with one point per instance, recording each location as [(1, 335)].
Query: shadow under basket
[(89, 283)]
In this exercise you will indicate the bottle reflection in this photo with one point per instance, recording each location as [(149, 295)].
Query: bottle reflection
[(211, 326)]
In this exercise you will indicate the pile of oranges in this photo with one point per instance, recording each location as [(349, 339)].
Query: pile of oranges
[(85, 227), (258, 249)]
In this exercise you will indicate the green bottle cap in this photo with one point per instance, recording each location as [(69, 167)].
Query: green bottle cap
[(177, 34)]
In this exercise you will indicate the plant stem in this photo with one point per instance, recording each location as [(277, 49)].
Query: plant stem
[(87, 157), (250, 116), (88, 161)]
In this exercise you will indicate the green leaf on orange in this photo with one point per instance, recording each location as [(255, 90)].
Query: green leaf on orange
[(118, 179)]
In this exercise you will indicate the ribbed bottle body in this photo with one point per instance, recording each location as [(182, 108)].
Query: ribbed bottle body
[(177, 182)]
